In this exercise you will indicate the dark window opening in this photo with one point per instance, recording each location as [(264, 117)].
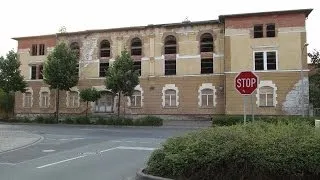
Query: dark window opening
[(206, 44), (271, 61), (76, 48), (258, 61), (34, 72), (77, 72), (206, 66), (41, 49), (170, 67), (170, 45), (103, 69), (105, 48), (40, 72), (137, 67), (271, 30), (34, 50), (136, 47), (258, 31)]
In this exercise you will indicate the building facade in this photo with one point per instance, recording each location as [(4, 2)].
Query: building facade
[(186, 68)]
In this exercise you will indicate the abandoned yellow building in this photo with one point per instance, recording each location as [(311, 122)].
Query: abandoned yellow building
[(186, 68)]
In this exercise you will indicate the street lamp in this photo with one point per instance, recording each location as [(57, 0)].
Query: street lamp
[(302, 82)]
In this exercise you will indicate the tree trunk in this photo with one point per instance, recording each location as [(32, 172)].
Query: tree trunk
[(87, 109), (124, 107), (57, 105), (14, 103), (119, 104), (6, 108)]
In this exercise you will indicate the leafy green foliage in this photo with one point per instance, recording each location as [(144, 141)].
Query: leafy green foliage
[(89, 95), (229, 120), (68, 120), (60, 70), (11, 79), (45, 119), (149, 121), (6, 102), (124, 121), (257, 150), (82, 120), (121, 77), (314, 80)]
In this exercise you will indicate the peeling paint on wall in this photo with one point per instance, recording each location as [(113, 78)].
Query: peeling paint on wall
[(88, 47), (294, 99)]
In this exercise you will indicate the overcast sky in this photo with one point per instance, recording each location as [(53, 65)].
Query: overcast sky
[(38, 17)]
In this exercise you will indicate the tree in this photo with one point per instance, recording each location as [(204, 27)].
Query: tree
[(314, 80), (89, 95), (60, 70), (11, 79), (121, 78)]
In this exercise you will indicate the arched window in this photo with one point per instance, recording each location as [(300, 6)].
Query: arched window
[(44, 99), (170, 45), (266, 96), (206, 43), (136, 99), (75, 47), (136, 47), (105, 48), (207, 97)]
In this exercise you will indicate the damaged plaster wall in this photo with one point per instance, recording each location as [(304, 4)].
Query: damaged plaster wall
[(293, 101)]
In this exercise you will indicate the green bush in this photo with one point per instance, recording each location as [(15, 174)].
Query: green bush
[(149, 121), (101, 121), (68, 120), (229, 120), (26, 120), (258, 150), (50, 120), (127, 121), (82, 120), (39, 119)]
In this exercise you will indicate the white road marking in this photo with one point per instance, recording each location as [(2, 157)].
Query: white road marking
[(136, 148), (9, 164), (77, 138), (66, 160), (48, 150), (106, 150), (116, 141)]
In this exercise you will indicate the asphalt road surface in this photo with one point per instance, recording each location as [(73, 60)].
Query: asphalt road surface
[(83, 152)]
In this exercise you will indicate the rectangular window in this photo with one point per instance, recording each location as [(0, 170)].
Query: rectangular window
[(34, 50), (136, 51), (34, 72), (137, 66), (44, 99), (271, 30), (170, 100), (73, 99), (206, 66), (258, 31), (266, 100), (103, 69), (40, 72), (41, 49), (170, 67), (27, 99), (78, 67), (265, 60)]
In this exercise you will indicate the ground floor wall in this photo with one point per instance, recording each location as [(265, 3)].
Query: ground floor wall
[(286, 96)]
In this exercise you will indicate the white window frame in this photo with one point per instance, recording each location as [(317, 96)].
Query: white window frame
[(270, 84), (207, 86), (137, 88), (170, 87), (28, 90), (265, 60), (68, 103), (44, 89)]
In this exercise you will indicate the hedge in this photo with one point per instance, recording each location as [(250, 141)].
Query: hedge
[(122, 121), (228, 120), (257, 150)]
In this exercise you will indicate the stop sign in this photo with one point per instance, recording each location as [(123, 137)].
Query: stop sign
[(246, 82)]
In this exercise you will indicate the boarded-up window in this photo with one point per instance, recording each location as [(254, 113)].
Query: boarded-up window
[(44, 99), (207, 98), (136, 99), (170, 98), (266, 94), (27, 99)]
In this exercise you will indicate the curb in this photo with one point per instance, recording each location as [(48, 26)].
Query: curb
[(39, 139), (142, 176)]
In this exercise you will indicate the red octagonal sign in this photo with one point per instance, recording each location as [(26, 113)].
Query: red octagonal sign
[(246, 82)]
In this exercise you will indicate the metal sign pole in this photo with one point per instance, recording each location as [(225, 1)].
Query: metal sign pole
[(252, 110), (244, 110)]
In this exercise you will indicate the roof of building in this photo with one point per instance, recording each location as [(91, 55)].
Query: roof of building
[(39, 36), (304, 11), (170, 25)]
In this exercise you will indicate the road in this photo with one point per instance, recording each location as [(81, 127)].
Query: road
[(83, 152)]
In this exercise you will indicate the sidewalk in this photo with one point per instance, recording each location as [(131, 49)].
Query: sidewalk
[(11, 140)]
